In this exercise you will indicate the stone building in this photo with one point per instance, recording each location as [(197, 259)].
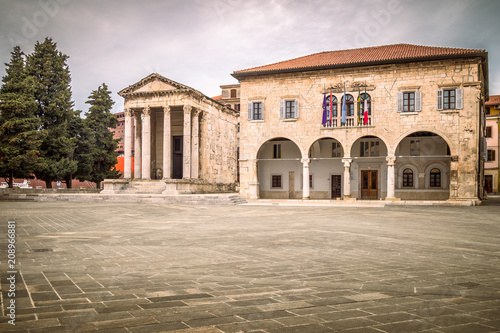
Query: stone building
[(185, 142), (417, 136), (492, 134)]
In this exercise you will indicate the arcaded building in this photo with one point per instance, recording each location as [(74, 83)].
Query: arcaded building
[(184, 141), (396, 122)]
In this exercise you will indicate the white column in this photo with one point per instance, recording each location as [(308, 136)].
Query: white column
[(347, 177), (305, 181), (137, 146), (195, 157), (127, 173), (254, 182), (167, 144), (146, 143), (391, 160), (186, 138)]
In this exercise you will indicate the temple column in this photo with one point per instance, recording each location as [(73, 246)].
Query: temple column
[(391, 161), (127, 173), (254, 182), (305, 181), (137, 146), (195, 157), (186, 151), (146, 143), (167, 144), (347, 177)]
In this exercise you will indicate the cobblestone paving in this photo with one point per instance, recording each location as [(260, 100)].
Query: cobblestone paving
[(211, 269)]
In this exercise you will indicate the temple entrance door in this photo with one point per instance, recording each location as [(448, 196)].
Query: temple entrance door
[(369, 184), (177, 157), (488, 183), (336, 186)]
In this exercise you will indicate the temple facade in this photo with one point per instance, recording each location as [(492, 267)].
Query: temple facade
[(396, 122), (184, 142)]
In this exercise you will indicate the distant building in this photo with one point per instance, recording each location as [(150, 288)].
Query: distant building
[(419, 137), (492, 131)]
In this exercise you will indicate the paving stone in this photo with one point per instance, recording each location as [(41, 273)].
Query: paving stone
[(312, 328), (470, 328)]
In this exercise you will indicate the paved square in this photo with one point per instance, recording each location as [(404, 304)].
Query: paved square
[(207, 269)]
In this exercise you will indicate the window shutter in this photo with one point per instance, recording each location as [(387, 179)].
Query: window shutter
[(459, 93), (439, 99), (262, 110), (249, 110), (418, 101), (400, 102), (282, 110), (296, 113)]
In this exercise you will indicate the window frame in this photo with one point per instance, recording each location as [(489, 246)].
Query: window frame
[(435, 178), (277, 151), (488, 132), (349, 104), (419, 145), (288, 114), (273, 181), (370, 144), (490, 155), (337, 145), (408, 182)]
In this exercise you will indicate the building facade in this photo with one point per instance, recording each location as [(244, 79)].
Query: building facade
[(492, 165), (412, 126), (184, 141)]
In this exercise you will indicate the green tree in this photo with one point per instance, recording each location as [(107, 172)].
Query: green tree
[(99, 120), (52, 92), (20, 138), (82, 154)]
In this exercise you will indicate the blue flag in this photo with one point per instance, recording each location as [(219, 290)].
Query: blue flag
[(343, 120), (325, 119)]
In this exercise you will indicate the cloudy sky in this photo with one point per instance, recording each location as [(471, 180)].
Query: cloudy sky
[(200, 42)]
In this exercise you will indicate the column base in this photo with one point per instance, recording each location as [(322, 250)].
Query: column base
[(306, 198), (392, 199)]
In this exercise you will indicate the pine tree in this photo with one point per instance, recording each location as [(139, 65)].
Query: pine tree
[(19, 135), (99, 120), (52, 92), (82, 154)]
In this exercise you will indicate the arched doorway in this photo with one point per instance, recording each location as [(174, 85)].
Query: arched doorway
[(423, 167), (326, 169), (279, 169), (368, 169)]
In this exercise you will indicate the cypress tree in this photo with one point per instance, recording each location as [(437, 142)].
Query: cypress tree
[(99, 120), (52, 92), (19, 135), (82, 154)]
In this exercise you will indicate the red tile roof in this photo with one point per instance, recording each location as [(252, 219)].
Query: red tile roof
[(494, 100), (363, 56), (217, 98)]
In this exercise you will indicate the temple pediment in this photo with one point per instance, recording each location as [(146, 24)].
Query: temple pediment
[(153, 83)]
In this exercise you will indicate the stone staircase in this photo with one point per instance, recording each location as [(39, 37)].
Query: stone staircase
[(145, 187)]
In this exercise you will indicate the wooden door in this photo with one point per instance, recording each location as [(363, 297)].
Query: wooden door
[(336, 186), (177, 157), (369, 184), (488, 183)]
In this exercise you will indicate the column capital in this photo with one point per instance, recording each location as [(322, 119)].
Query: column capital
[(146, 111), (128, 112), (166, 109), (306, 160), (196, 112), (347, 162), (391, 160), (187, 108)]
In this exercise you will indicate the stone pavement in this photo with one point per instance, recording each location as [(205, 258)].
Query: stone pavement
[(129, 267)]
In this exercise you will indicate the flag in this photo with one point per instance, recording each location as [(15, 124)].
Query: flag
[(325, 119), (331, 109), (343, 110), (365, 118), (359, 107)]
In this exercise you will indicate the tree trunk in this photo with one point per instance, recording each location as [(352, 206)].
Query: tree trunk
[(98, 185), (48, 183), (69, 182), (10, 180)]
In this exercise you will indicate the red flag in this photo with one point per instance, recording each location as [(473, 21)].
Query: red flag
[(365, 118), (331, 108)]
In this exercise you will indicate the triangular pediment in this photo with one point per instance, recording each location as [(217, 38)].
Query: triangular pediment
[(153, 83)]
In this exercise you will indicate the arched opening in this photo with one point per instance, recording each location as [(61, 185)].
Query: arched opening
[(428, 155), (326, 169), (368, 170), (279, 169)]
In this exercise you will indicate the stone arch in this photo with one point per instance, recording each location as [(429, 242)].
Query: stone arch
[(310, 144), (433, 131), (382, 138), (292, 139)]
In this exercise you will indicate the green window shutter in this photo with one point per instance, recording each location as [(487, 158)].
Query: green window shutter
[(459, 95), (418, 101), (439, 99), (400, 102), (249, 110)]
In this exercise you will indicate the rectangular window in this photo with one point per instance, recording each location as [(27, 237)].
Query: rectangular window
[(310, 181), (488, 132), (276, 181), (257, 111), (491, 155), (449, 99), (289, 109), (369, 149), (336, 149), (408, 102), (277, 150), (408, 178), (415, 147)]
